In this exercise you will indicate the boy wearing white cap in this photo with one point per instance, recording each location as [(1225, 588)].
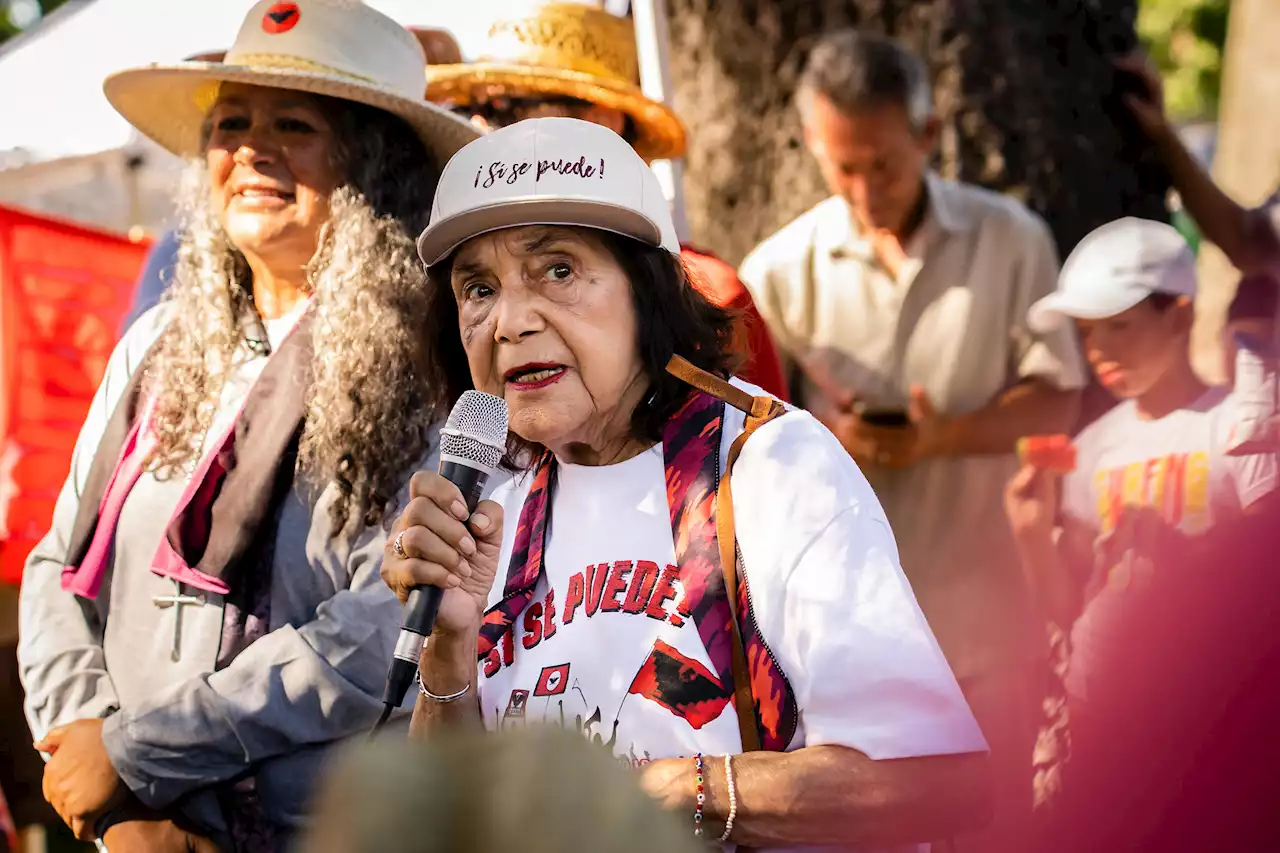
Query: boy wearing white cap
[(1151, 472)]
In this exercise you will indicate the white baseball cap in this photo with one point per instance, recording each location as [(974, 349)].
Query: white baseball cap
[(547, 171), (1114, 268)]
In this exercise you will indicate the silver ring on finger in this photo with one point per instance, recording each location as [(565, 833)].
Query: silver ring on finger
[(398, 546)]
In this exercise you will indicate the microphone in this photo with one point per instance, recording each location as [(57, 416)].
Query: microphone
[(471, 446)]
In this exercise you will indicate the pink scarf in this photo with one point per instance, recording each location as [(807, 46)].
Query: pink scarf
[(231, 490)]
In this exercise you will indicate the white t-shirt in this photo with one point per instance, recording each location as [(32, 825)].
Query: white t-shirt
[(826, 589), (1176, 465)]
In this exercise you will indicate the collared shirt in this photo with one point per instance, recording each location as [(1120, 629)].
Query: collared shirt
[(953, 321)]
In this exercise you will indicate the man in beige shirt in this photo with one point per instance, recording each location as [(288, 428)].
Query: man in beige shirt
[(904, 295)]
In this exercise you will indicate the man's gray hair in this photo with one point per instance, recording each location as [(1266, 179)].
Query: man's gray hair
[(857, 71)]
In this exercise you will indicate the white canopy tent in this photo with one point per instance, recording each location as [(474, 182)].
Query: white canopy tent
[(51, 80), (63, 149)]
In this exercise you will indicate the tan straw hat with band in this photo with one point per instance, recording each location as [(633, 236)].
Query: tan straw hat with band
[(564, 50), (339, 48)]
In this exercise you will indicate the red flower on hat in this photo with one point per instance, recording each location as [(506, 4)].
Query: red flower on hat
[(281, 18)]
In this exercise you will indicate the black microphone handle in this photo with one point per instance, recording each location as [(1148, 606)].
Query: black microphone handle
[(470, 480), (424, 601)]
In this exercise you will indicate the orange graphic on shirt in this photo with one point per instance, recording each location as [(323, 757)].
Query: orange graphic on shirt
[(1175, 485)]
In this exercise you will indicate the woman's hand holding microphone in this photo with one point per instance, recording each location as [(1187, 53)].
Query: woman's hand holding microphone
[(435, 543), (440, 546)]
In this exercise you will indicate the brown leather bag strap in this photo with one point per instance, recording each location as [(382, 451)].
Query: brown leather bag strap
[(743, 700), (756, 407), (759, 411)]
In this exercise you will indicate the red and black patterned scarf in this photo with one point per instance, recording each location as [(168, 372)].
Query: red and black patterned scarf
[(691, 444)]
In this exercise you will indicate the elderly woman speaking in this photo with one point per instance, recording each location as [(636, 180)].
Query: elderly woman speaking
[(760, 694), (206, 614)]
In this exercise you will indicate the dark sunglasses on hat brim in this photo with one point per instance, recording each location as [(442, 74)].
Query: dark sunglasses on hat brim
[(498, 112)]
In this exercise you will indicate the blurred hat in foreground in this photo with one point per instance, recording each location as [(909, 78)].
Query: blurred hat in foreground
[(537, 789)]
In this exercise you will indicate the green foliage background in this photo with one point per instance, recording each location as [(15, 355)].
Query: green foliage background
[(1185, 39), (7, 29)]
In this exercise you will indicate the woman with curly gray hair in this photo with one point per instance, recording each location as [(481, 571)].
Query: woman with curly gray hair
[(205, 616)]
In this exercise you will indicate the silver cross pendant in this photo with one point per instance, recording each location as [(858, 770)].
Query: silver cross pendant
[(177, 601)]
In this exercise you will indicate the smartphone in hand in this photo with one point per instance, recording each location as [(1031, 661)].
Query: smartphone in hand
[(882, 417)]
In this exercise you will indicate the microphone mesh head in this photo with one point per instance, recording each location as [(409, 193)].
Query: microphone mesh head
[(476, 430)]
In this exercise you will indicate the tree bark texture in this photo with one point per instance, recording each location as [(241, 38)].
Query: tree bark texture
[(1021, 88)]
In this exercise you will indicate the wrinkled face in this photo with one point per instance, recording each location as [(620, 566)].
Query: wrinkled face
[(272, 166), (871, 158), (1131, 351), (549, 324)]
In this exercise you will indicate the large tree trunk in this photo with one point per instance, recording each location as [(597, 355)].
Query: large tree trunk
[(1020, 88)]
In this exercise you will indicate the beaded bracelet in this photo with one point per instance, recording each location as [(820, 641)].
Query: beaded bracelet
[(733, 797), (702, 797)]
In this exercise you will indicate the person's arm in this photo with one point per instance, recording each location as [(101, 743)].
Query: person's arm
[(892, 752), (296, 686), (1033, 406), (1051, 555), (1052, 567), (448, 666), (1247, 237), (1050, 370), (60, 658), (1222, 220), (837, 796), (446, 548)]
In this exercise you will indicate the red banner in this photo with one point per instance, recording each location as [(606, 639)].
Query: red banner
[(64, 293)]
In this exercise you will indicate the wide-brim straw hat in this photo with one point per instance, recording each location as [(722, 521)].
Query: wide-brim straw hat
[(564, 50), (339, 48)]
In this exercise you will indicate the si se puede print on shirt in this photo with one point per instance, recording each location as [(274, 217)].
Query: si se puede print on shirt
[(681, 685)]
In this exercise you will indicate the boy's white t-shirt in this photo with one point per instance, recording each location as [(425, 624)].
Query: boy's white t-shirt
[(1175, 465), (607, 648)]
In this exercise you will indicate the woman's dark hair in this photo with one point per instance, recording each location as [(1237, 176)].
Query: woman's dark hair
[(672, 318), (382, 157)]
